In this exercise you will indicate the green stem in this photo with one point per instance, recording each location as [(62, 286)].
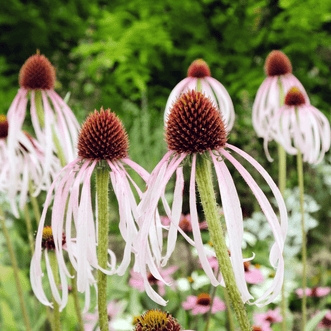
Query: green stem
[(50, 318), (229, 310), (34, 202), (39, 108), (304, 249), (16, 272), (199, 85), (282, 186), (102, 179), (76, 299), (55, 270), (205, 186), (29, 228)]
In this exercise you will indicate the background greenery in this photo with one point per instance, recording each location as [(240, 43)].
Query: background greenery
[(128, 56)]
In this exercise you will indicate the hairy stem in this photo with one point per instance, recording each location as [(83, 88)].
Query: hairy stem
[(102, 179), (206, 190)]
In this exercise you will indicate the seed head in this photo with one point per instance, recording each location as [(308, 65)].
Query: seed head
[(246, 266), (204, 299), (294, 97), (3, 127), (198, 69), (194, 125), (37, 73), (48, 240), (277, 64), (156, 320), (103, 136), (256, 328)]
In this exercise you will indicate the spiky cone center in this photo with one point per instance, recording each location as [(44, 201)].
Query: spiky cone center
[(194, 125), (48, 239), (326, 322), (3, 127), (103, 137), (204, 299), (37, 73), (156, 320), (198, 69), (294, 97), (277, 64)]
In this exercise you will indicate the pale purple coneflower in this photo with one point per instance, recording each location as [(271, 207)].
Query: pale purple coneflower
[(156, 320), (201, 304), (22, 166), (299, 126), (102, 142), (53, 121), (199, 78), (270, 95), (195, 127)]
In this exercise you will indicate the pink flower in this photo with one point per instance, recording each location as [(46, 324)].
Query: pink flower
[(299, 126), (103, 143), (271, 316), (184, 223), (253, 275), (187, 139), (114, 309), (137, 280), (201, 304), (198, 78), (53, 121), (313, 292), (270, 95), (326, 321)]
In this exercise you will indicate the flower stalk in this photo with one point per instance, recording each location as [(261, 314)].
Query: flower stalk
[(102, 180), (34, 202), (29, 228), (304, 249), (16, 272), (207, 195)]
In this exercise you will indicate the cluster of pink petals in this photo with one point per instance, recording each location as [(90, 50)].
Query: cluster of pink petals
[(73, 184), (271, 316), (22, 164), (137, 281), (325, 323), (157, 182), (270, 97), (313, 292), (114, 309), (192, 303), (188, 224), (212, 89), (59, 121), (302, 128), (252, 276)]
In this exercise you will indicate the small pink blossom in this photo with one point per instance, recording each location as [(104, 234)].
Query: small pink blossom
[(201, 304), (325, 323), (137, 280), (271, 316), (184, 222), (313, 292), (253, 275)]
